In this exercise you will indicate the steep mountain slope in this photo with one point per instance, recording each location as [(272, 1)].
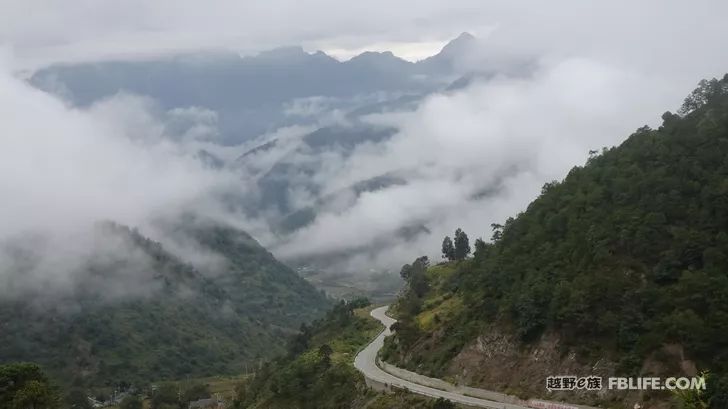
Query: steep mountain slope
[(618, 270), (166, 319), (450, 55)]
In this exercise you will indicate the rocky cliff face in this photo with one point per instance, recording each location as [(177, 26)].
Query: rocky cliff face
[(497, 361)]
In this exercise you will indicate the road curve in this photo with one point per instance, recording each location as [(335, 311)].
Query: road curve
[(366, 363)]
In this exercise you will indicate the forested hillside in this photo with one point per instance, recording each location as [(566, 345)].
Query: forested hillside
[(317, 372), (625, 256), (179, 322)]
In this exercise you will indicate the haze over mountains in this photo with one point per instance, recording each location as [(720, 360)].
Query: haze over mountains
[(164, 193), (117, 260), (134, 312), (250, 95), (351, 166), (132, 255), (276, 119)]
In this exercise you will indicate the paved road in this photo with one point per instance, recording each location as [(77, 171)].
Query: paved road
[(365, 362)]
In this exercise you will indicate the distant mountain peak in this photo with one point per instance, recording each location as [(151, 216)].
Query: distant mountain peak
[(383, 60), (456, 49), (464, 36), (372, 53), (283, 52), (461, 42), (287, 55), (375, 55)]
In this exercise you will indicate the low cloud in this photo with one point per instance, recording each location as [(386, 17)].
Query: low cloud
[(47, 266), (63, 170), (475, 157), (588, 75)]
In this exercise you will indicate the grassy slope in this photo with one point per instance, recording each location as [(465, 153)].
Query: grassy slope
[(441, 311)]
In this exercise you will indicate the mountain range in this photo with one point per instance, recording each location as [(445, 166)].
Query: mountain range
[(250, 93), (287, 112)]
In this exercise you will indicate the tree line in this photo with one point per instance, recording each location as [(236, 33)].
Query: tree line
[(458, 249)]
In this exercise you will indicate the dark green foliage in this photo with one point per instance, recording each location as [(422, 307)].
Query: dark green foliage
[(314, 378), (173, 395), (411, 301), (325, 352), (462, 245), (306, 382), (78, 399), (630, 247), (359, 302), (442, 403), (448, 249), (408, 306), (717, 391), (707, 91), (457, 250), (627, 253), (166, 396), (497, 231), (417, 282), (131, 402), (24, 385), (195, 391), (398, 400), (480, 247), (194, 323)]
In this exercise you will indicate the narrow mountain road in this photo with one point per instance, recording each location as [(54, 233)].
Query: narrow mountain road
[(366, 363)]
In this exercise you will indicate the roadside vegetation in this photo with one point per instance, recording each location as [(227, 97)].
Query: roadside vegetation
[(318, 371)]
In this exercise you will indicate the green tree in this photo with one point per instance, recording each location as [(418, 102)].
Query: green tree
[(131, 402), (25, 386), (35, 395), (166, 396), (640, 228), (442, 403), (692, 398), (194, 391), (462, 245), (480, 248), (405, 272), (78, 399), (325, 352), (706, 91), (417, 277), (448, 250), (497, 231)]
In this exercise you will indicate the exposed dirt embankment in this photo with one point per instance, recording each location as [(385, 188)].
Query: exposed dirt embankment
[(497, 361)]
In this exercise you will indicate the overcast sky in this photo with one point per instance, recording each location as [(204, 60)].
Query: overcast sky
[(604, 69), (42, 31)]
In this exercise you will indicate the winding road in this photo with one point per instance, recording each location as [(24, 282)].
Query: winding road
[(366, 363)]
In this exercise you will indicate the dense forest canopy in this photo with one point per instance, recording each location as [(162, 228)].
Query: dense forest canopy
[(628, 253), (645, 223)]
